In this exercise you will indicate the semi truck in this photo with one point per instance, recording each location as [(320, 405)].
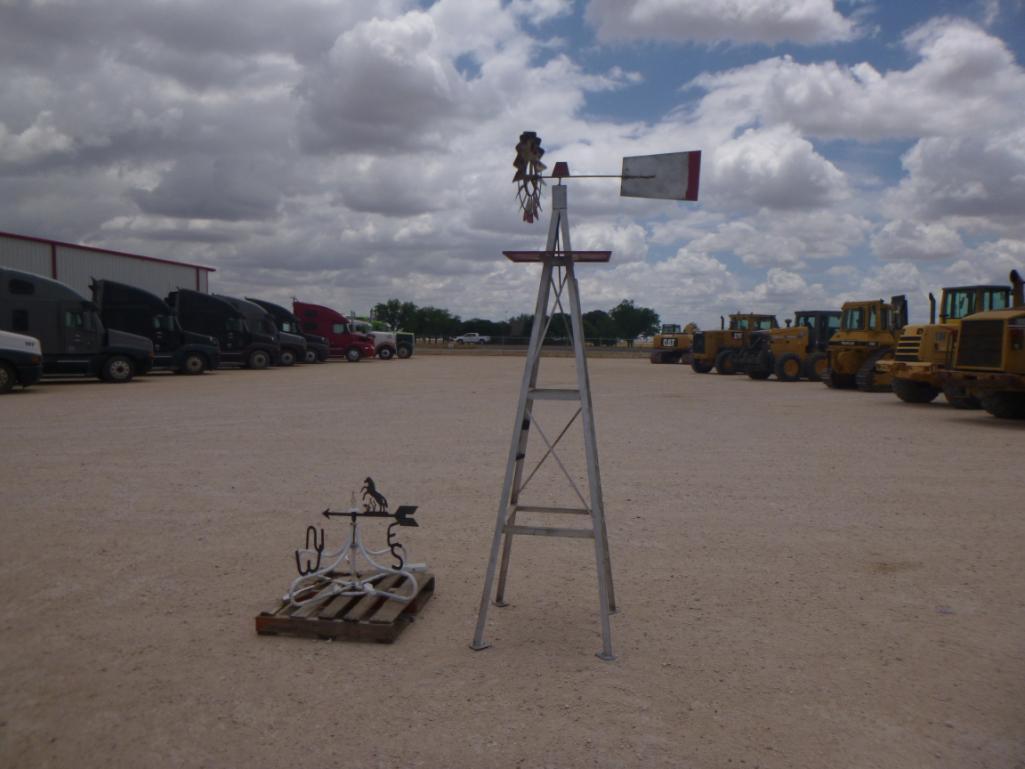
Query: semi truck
[(73, 337), (343, 340), (254, 346), (138, 311), (317, 348), (387, 344), (291, 347), (21, 361)]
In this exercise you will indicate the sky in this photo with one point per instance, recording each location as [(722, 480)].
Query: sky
[(347, 152)]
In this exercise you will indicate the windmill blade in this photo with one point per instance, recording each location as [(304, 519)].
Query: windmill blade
[(671, 176)]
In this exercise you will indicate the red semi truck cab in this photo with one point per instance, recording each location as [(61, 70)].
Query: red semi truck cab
[(335, 327)]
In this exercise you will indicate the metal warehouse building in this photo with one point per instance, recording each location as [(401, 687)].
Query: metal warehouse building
[(77, 265)]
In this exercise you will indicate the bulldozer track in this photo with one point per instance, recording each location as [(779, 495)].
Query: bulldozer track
[(866, 376)]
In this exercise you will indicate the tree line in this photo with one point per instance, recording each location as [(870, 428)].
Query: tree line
[(624, 321)]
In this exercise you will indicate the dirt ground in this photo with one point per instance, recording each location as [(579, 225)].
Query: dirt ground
[(806, 578)]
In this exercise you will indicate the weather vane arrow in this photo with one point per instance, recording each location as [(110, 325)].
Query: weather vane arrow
[(402, 515)]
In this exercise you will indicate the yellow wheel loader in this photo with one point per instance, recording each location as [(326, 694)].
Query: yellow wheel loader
[(989, 357), (672, 344), (923, 351), (718, 348), (868, 333)]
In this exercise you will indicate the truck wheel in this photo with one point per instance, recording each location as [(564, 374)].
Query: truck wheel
[(7, 377), (700, 366), (815, 366), (758, 375), (960, 398), (353, 354), (1005, 405), (194, 363), (287, 358), (386, 353), (726, 363), (788, 368), (117, 368), (310, 356), (258, 359), (914, 392), (404, 351)]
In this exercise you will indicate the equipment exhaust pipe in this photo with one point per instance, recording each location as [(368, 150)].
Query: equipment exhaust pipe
[(932, 309), (1017, 289), (722, 323)]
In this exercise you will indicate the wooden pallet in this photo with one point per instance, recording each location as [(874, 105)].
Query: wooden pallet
[(350, 618)]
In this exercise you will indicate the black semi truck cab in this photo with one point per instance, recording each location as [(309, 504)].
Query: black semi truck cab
[(69, 327), (251, 346), (317, 348), (133, 309), (290, 346)]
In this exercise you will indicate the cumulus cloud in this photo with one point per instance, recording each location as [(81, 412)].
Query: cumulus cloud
[(962, 72), (775, 168), (903, 240), (710, 21), (380, 87), (39, 140), (969, 177)]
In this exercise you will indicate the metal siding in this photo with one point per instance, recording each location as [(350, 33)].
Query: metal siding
[(26, 255), (77, 267), (203, 281)]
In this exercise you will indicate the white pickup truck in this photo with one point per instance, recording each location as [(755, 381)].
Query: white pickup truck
[(472, 338)]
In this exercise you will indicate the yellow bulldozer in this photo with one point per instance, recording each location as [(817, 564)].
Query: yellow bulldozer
[(989, 357), (672, 344), (717, 348), (868, 333), (791, 353), (924, 351)]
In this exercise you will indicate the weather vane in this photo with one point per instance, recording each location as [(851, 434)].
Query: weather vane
[(325, 575)]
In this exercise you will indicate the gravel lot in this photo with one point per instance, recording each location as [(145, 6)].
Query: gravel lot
[(806, 578)]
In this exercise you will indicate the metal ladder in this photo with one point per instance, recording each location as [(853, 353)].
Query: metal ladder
[(558, 280)]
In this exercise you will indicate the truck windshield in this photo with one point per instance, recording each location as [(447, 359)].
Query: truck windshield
[(289, 327), (854, 319), (235, 324), (163, 322), (996, 299), (959, 303)]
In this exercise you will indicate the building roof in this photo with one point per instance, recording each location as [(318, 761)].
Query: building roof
[(98, 250)]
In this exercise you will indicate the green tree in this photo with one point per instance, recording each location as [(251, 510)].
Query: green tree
[(435, 322), (632, 320), (398, 315), (600, 327)]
